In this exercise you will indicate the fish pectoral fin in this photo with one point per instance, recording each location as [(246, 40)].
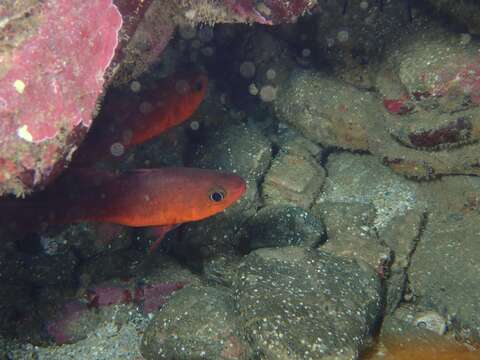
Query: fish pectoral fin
[(159, 233)]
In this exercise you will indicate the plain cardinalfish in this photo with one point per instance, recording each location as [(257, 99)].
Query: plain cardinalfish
[(131, 119), (164, 197)]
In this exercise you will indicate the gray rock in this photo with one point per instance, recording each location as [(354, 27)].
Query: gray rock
[(276, 226), (363, 179), (117, 337), (197, 323), (232, 146), (120, 263), (326, 110), (444, 269), (89, 240), (290, 141), (293, 179), (300, 304), (464, 12), (350, 233), (401, 236)]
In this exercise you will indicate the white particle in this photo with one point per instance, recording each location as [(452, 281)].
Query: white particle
[(252, 89), (19, 85), (247, 69), (194, 125), (268, 93), (343, 36), (271, 74), (306, 52), (135, 86), (117, 149), (24, 134)]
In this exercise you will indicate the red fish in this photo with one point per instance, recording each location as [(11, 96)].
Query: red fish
[(152, 197), (162, 197), (130, 119)]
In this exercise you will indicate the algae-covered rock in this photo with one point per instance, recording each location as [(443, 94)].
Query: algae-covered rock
[(294, 178), (197, 323), (401, 236), (351, 234), (363, 179), (326, 110), (282, 225), (299, 304), (444, 268)]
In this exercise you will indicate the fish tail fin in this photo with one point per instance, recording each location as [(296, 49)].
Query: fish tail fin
[(21, 217)]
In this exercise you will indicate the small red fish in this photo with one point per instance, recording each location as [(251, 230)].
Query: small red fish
[(151, 197), (138, 198), (130, 119)]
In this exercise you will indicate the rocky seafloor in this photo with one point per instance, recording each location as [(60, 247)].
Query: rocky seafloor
[(357, 133)]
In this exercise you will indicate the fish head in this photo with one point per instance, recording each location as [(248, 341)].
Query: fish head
[(208, 193), (189, 91)]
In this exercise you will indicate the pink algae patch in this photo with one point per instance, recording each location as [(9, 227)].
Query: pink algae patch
[(57, 74)]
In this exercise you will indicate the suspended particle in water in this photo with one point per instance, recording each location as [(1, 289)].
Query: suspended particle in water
[(270, 74), (268, 93), (465, 38), (330, 42), (364, 5), (343, 36), (135, 86), (306, 52), (208, 51), (252, 89), (146, 108), (247, 69), (117, 149), (195, 125)]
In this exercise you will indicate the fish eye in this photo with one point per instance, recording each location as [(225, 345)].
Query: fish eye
[(217, 195), (198, 86)]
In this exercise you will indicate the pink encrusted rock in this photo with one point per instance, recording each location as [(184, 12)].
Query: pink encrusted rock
[(64, 327), (153, 296), (270, 11), (109, 294), (49, 85)]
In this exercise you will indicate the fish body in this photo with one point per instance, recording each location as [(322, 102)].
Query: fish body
[(151, 197), (161, 198), (131, 119)]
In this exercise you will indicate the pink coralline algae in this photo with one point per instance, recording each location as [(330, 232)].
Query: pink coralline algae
[(465, 78), (49, 85), (149, 297), (61, 328), (153, 296), (269, 11)]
